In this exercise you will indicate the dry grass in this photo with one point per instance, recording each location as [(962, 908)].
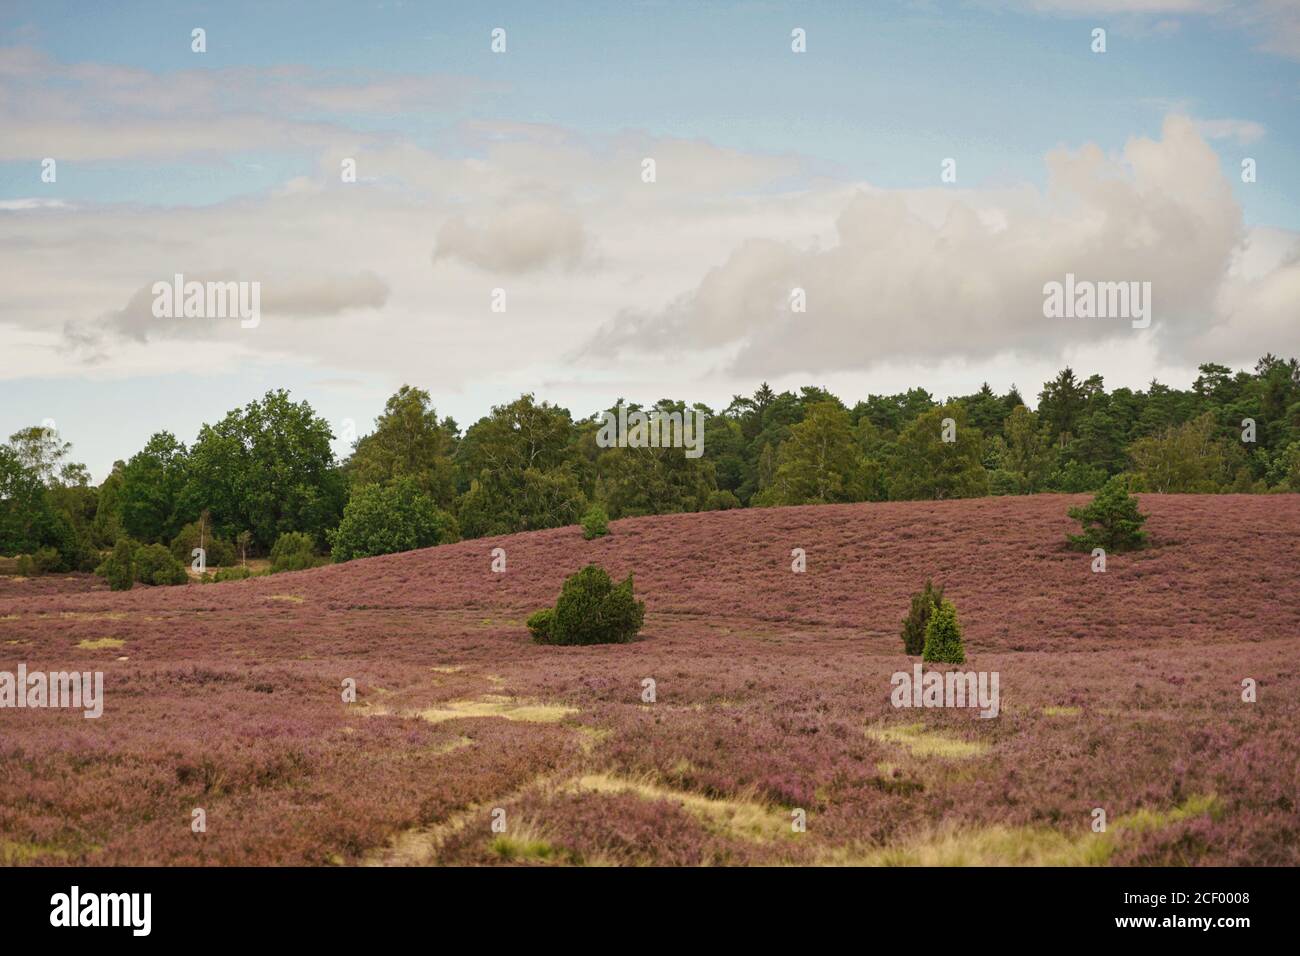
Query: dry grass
[(1021, 846), (927, 743), (101, 643), (495, 705), (738, 817)]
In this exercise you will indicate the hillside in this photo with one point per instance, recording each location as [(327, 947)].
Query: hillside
[(1119, 690)]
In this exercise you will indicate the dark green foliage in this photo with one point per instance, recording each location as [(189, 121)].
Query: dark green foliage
[(1111, 521), (46, 561), (154, 564), (923, 605), (118, 568), (150, 493), (721, 500), (293, 551), (592, 610), (267, 467), (219, 553), (237, 573), (539, 625), (595, 523), (385, 519), (943, 636)]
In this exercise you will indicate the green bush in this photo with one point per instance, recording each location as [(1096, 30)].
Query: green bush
[(1111, 521), (237, 573), (595, 523), (923, 605), (721, 499), (539, 625), (591, 610), (294, 551), (218, 553), (943, 636), (385, 519), (154, 564), (25, 567), (118, 568)]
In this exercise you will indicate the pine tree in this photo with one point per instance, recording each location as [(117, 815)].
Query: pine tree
[(1111, 521)]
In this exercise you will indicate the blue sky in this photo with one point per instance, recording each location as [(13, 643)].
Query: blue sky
[(884, 93)]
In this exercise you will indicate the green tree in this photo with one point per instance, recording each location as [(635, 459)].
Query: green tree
[(268, 468), (926, 466), (1111, 520), (820, 462), (409, 442), (1189, 458), (1027, 458), (388, 518), (152, 483)]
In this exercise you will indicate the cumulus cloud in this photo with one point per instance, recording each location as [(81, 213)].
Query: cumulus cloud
[(923, 276), (295, 297), (521, 237)]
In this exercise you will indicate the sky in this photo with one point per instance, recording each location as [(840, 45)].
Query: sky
[(502, 234)]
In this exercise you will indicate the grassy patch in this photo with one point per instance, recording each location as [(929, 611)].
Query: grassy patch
[(101, 643), (1062, 711), (739, 817), (494, 705), (525, 845), (926, 743), (285, 597), (1022, 846), (93, 615)]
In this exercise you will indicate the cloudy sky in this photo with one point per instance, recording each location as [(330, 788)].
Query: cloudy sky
[(523, 171)]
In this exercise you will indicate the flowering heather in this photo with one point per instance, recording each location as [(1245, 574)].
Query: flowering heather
[(1119, 690)]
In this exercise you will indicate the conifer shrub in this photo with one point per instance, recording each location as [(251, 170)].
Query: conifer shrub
[(923, 605), (294, 551), (591, 609), (539, 625), (154, 564), (943, 636), (1111, 521), (595, 523), (118, 569)]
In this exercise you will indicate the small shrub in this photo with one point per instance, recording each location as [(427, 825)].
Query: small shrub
[(237, 573), (293, 551), (25, 567), (923, 605), (118, 568), (1111, 521), (943, 636), (591, 610), (539, 625), (154, 564), (721, 500), (595, 523)]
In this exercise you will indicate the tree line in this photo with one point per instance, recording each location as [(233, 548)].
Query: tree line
[(267, 469)]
